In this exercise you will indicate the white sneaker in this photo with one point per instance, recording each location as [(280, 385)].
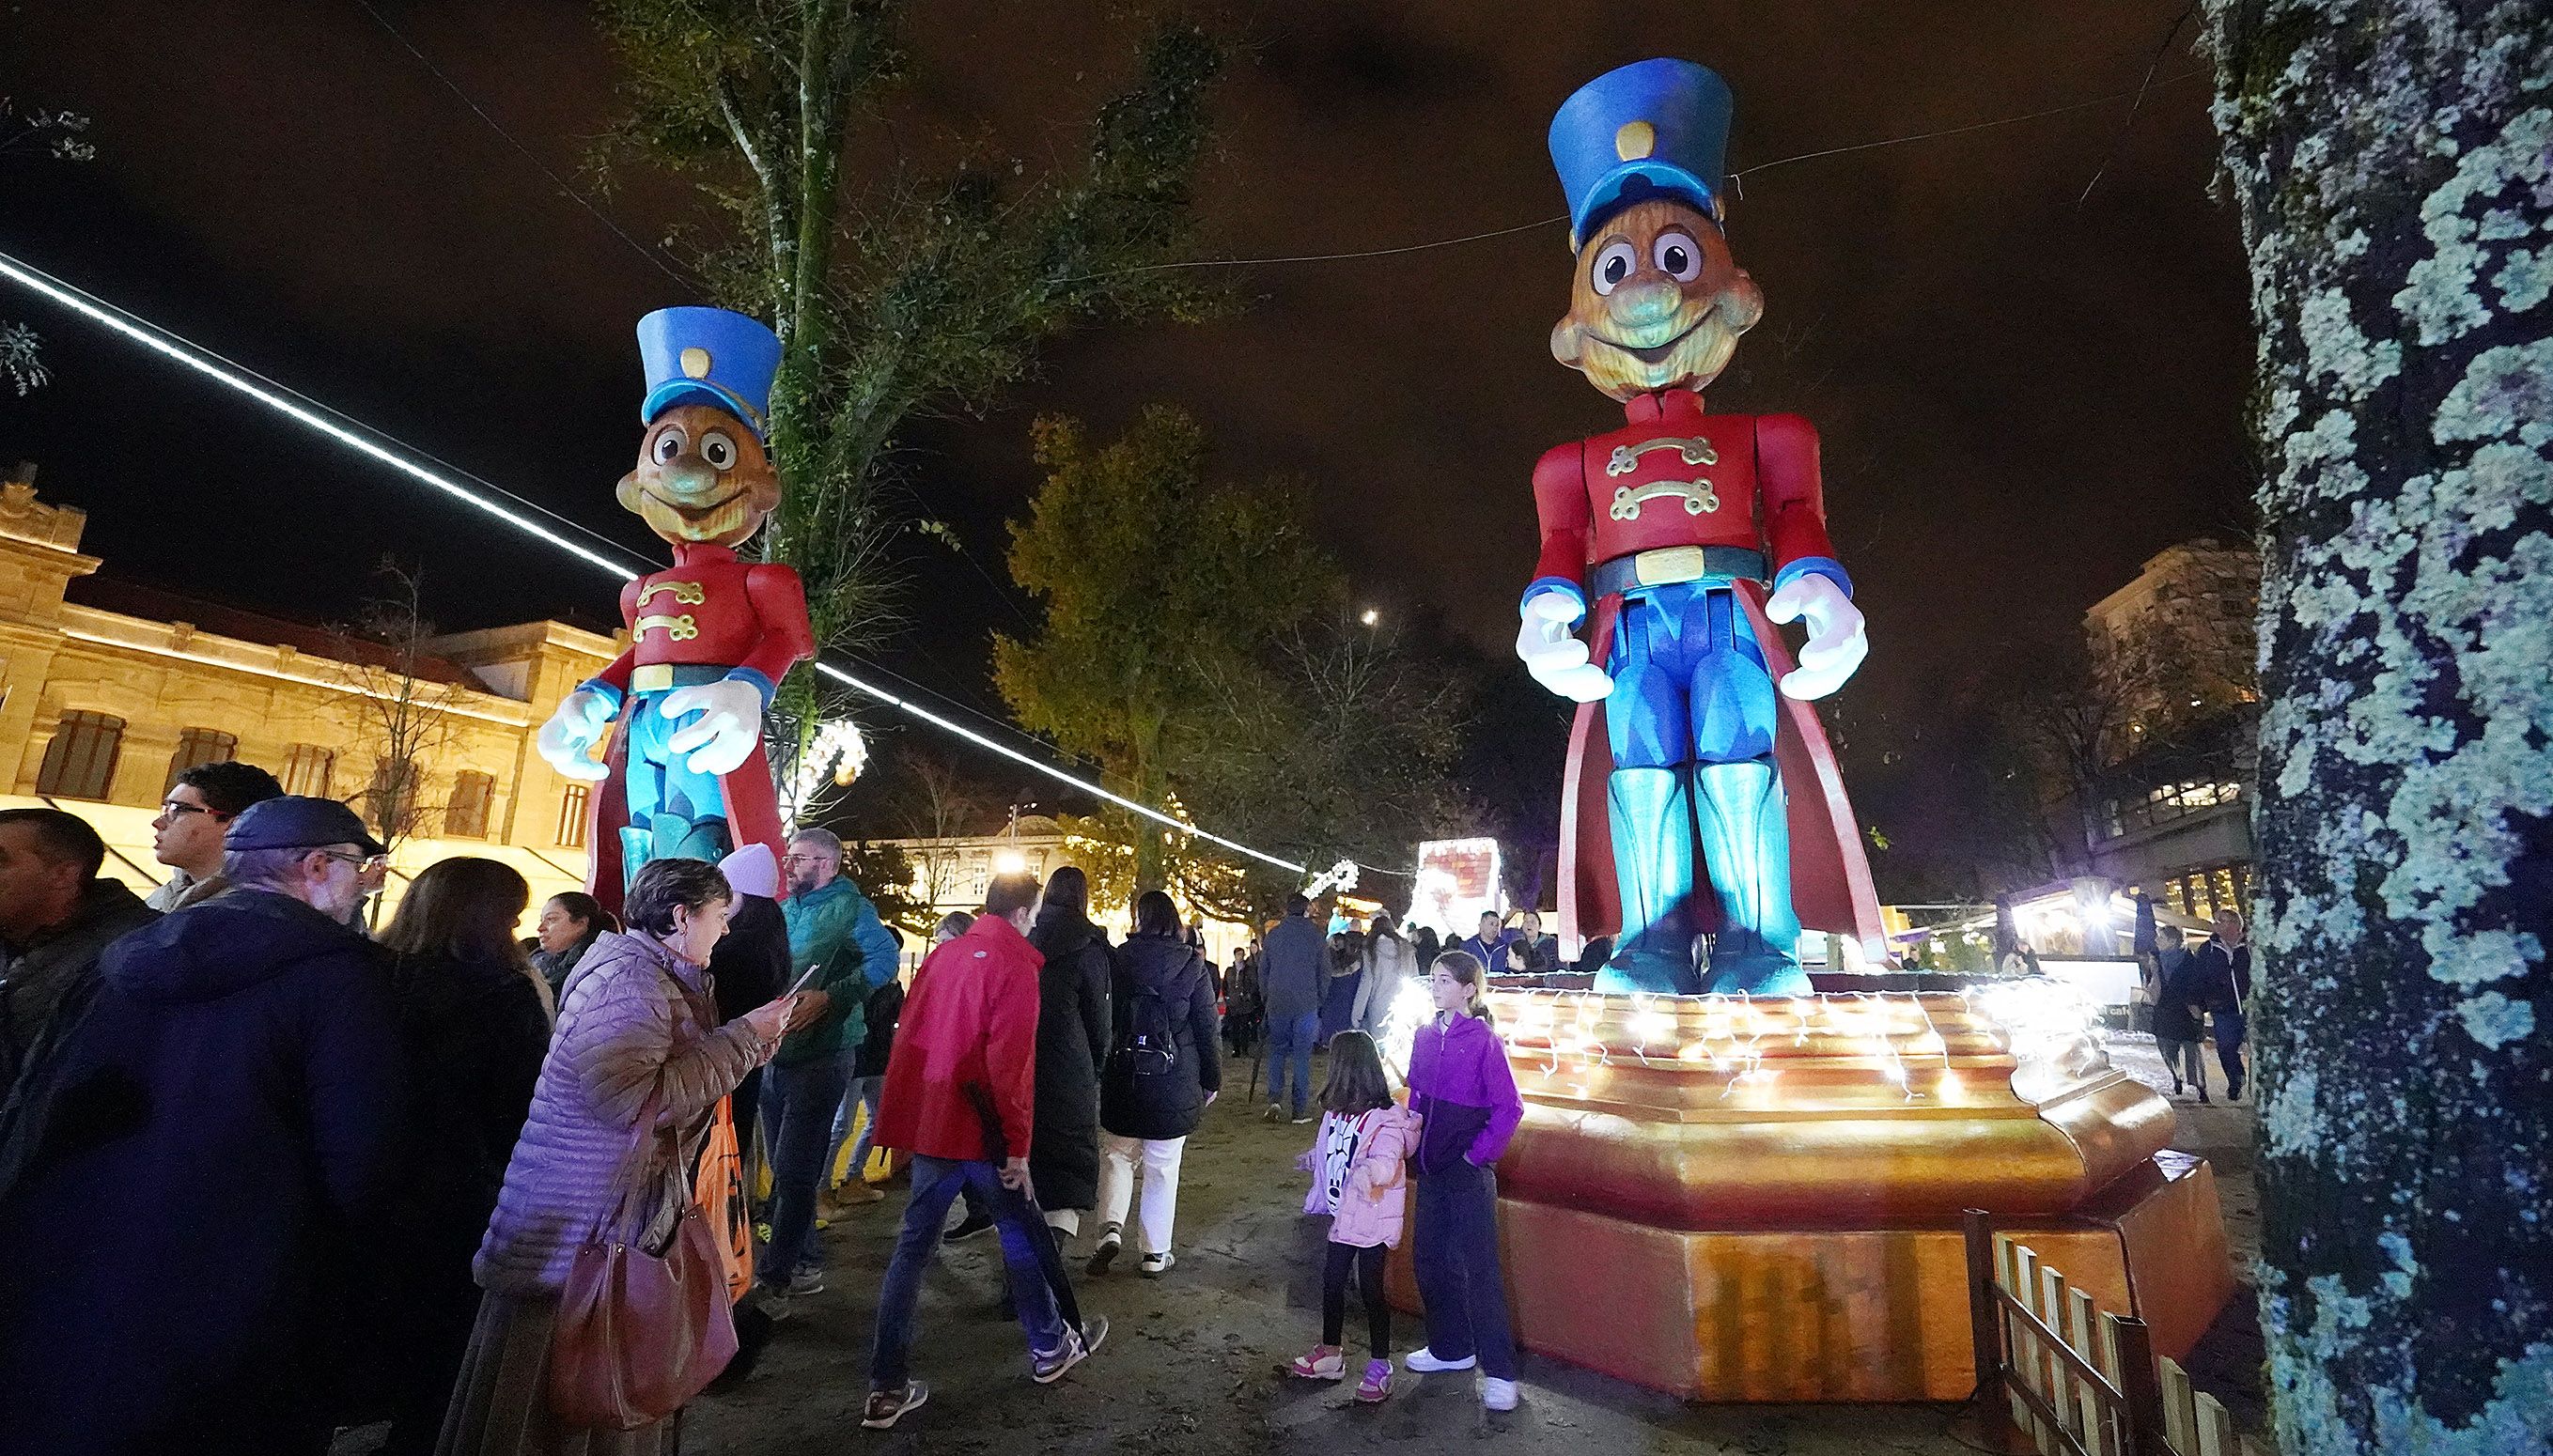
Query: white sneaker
[(1428, 1364), (1497, 1394)]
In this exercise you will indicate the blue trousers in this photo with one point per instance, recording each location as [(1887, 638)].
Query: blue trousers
[(1289, 1043), (936, 1182), (674, 812), (1456, 1260), (798, 1106), (1690, 684)]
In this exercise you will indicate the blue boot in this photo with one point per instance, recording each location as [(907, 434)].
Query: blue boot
[(1746, 835), (1652, 819)]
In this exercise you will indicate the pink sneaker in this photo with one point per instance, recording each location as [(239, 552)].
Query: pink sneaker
[(1377, 1382), (1324, 1362)]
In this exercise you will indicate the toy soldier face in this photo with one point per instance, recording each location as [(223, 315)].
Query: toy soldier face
[(702, 477), (1658, 302)]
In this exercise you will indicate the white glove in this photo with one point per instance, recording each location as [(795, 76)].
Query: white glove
[(1836, 645), (729, 726), (1553, 653), (566, 740)]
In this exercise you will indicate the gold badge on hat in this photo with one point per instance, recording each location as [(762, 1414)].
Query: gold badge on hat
[(696, 362), (1636, 139)]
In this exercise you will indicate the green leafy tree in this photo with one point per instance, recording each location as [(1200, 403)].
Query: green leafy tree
[(1160, 590), (903, 291)]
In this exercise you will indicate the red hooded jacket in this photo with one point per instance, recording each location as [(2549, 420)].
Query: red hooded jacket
[(967, 1042)]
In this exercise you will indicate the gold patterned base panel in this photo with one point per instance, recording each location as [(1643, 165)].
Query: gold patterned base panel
[(1837, 1314)]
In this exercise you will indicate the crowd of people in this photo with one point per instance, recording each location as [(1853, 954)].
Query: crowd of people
[(265, 1173)]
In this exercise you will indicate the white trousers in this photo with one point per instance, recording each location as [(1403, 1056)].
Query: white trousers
[(1161, 1207)]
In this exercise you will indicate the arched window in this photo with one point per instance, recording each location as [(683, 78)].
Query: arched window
[(466, 817), (307, 769), (81, 761), (391, 800), (199, 746)]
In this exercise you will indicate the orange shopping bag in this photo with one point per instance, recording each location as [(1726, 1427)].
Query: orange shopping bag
[(718, 1187)]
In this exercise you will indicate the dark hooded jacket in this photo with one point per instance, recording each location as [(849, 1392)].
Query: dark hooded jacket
[(1162, 1057), (223, 1114), (57, 969), (1072, 1045)]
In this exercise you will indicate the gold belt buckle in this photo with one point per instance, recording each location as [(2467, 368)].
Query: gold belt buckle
[(653, 677), (1669, 564)]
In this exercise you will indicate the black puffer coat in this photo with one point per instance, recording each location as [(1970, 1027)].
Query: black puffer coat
[(1072, 1044), (1144, 1094)]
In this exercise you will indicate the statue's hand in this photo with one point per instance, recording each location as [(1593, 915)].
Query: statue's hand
[(727, 728), (566, 740), (1836, 644), (1552, 653)]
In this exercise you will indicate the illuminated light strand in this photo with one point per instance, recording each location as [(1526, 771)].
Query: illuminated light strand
[(172, 347)]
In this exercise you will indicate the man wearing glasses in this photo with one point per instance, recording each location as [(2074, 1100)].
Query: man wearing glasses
[(187, 835), (223, 1117)]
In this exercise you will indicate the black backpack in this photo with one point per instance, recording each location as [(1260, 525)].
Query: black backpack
[(1152, 1046)]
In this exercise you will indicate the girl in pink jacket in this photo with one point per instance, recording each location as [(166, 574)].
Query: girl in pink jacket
[(1357, 1179)]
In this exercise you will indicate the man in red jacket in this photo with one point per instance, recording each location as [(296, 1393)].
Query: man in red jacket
[(960, 1096)]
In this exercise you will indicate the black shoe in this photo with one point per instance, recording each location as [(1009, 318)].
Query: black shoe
[(967, 1227), (1111, 1239), (2234, 1093), (2175, 1087)]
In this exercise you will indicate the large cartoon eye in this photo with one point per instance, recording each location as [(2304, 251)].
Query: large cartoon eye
[(1613, 266), (1678, 255), (668, 444), (718, 450)]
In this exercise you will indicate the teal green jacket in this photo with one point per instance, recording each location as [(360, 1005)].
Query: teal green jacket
[(837, 929)]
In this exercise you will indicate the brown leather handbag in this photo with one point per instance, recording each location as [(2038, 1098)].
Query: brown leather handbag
[(639, 1334)]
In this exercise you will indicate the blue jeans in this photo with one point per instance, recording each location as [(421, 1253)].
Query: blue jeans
[(1289, 1042), (1456, 1259), (864, 1094), (936, 1184), (797, 1105)]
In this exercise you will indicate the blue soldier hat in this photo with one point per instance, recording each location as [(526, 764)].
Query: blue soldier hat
[(1648, 128), (707, 356)]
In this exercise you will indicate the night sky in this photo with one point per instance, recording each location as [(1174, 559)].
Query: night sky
[(2021, 398)]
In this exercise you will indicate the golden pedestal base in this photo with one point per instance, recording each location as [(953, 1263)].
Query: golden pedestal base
[(1760, 1201)]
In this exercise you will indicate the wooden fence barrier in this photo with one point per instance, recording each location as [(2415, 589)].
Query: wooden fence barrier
[(2058, 1377)]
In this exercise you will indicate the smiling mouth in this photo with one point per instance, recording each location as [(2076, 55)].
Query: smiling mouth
[(695, 512), (1655, 353)]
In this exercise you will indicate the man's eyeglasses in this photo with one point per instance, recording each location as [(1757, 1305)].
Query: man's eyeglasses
[(360, 861), (176, 810), (806, 859)]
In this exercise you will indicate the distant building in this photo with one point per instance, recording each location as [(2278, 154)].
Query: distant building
[(110, 690), (2175, 651)]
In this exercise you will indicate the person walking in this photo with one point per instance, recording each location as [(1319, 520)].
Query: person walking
[(638, 1034), (1465, 1097), (961, 1098), (2176, 1021), (1390, 965), (977, 1216), (1339, 996), (868, 1084), (56, 917), (185, 1176), (1240, 1001), (1358, 1183), (750, 964), (835, 932), (2221, 985), (1072, 1045), (475, 1021), (1162, 1075), (195, 814), (570, 922), (1293, 971)]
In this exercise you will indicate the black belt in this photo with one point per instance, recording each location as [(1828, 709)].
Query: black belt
[(1669, 564), (664, 676)]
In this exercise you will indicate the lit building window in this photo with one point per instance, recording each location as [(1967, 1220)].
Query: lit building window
[(466, 817), (571, 819), (199, 746), (307, 769), (81, 761)]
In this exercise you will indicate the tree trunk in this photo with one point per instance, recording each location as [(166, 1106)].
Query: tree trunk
[(2393, 163)]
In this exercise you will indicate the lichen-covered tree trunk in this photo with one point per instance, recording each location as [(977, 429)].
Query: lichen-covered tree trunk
[(2393, 163)]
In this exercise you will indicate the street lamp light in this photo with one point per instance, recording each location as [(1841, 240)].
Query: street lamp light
[(1371, 617)]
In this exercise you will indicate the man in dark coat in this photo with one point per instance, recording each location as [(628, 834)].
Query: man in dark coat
[(1293, 971), (55, 916), (1072, 1043), (2220, 985), (222, 1115)]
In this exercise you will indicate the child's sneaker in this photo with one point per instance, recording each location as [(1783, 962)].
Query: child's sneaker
[(1323, 1362), (1497, 1394), (1377, 1382), (1425, 1362)]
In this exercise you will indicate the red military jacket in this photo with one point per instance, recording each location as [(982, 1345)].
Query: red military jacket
[(712, 610), (1676, 476)]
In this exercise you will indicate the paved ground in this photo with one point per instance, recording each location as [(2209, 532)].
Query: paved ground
[(1193, 1363)]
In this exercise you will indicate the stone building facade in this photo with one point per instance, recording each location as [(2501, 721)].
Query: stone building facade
[(107, 692)]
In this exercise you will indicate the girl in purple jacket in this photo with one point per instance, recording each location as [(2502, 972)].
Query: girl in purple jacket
[(1467, 1105)]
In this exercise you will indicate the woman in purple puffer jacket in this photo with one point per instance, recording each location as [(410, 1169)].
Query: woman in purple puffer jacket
[(1467, 1104)]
